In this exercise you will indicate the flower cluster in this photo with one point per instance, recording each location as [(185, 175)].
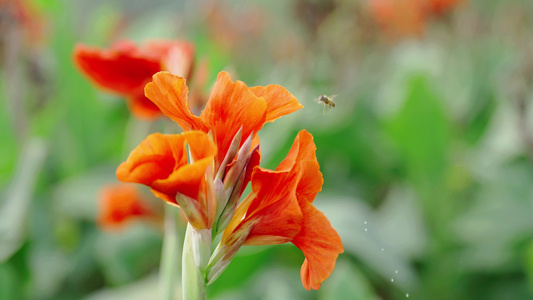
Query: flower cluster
[(206, 169)]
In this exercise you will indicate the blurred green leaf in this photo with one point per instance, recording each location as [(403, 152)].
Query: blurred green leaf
[(78, 196), (9, 148), (271, 283), (248, 261), (528, 261), (420, 130), (498, 218), (17, 198), (128, 254), (146, 288), (10, 283), (347, 282), (385, 240)]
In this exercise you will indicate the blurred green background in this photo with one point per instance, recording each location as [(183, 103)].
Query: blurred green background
[(427, 157)]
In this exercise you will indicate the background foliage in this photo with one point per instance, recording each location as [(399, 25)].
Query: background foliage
[(427, 157)]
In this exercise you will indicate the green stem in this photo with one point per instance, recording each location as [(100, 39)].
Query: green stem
[(193, 282), (170, 263)]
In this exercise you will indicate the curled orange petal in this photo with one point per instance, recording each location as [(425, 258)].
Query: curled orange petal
[(169, 93), (320, 244), (303, 151), (279, 101), (276, 205), (160, 162)]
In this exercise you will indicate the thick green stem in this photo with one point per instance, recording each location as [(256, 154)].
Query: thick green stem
[(193, 282), (170, 263)]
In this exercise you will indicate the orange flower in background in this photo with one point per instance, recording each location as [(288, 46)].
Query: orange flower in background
[(399, 17), (280, 210), (125, 68), (224, 25), (408, 17), (161, 162), (122, 203)]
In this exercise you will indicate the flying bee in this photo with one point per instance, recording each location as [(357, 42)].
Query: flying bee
[(327, 101)]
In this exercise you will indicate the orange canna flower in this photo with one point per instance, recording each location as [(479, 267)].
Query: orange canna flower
[(161, 162), (280, 210), (224, 150), (122, 203), (125, 68)]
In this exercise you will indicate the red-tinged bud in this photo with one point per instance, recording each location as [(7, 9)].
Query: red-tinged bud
[(211, 197), (236, 168), (221, 196), (230, 155)]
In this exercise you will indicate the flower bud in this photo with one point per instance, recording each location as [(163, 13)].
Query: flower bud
[(230, 154)]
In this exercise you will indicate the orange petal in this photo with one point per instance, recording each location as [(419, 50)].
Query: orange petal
[(200, 146), (302, 159), (276, 205), (272, 211), (279, 101), (121, 69), (153, 159), (303, 148), (169, 93), (279, 222), (310, 182), (270, 187), (230, 106), (320, 244), (188, 179)]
